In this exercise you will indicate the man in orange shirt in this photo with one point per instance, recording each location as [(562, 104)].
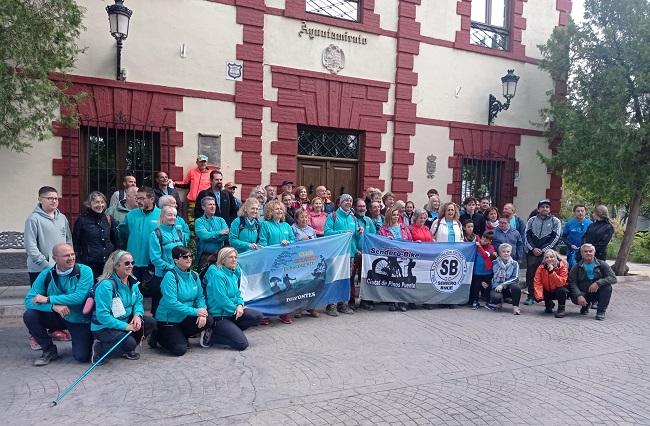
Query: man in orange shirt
[(197, 179)]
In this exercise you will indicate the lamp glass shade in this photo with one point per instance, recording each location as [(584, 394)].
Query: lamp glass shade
[(118, 18), (509, 83)]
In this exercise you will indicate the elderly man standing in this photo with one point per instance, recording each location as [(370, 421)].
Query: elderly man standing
[(542, 233), (55, 302), (128, 182), (590, 282)]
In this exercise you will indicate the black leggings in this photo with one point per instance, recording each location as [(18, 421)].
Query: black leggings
[(230, 331), (476, 288), (173, 335), (560, 293), (512, 291)]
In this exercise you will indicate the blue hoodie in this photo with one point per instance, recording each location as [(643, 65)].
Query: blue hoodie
[(182, 296), (222, 290), (136, 229), (131, 300), (161, 254)]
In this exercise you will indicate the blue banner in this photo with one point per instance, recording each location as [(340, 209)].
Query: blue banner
[(304, 275), (404, 271)]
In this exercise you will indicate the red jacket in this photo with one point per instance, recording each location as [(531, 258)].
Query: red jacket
[(549, 281), (421, 233)]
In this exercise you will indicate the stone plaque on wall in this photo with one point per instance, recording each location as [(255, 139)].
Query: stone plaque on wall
[(210, 145)]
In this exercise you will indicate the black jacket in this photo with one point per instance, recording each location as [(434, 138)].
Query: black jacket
[(226, 209), (599, 234), (478, 219), (94, 237), (170, 191), (579, 282)]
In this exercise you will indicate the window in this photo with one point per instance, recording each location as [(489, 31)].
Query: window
[(482, 178), (331, 143), (490, 24), (342, 9), (112, 153)]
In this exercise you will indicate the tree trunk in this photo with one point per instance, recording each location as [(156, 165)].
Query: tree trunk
[(628, 237)]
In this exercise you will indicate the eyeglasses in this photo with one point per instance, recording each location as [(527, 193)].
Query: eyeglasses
[(129, 263), (185, 256), (51, 198)]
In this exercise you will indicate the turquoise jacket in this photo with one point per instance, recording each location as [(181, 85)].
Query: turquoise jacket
[(249, 233), (161, 254), (131, 299), (71, 291), (272, 233), (182, 296), (222, 290), (208, 233), (183, 226), (341, 222), (136, 228)]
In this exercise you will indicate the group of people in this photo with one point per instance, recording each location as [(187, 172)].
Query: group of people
[(139, 245)]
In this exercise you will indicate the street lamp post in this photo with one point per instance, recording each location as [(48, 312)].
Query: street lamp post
[(118, 18)]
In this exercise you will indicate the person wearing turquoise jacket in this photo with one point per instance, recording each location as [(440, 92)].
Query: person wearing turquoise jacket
[(182, 312), (170, 200), (225, 303), (161, 242), (136, 229), (118, 309), (244, 230), (55, 302), (274, 230), (211, 231), (340, 222)]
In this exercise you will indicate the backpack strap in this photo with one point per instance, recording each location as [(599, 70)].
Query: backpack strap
[(256, 224), (54, 277)]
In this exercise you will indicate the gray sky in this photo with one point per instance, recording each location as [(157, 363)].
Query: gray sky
[(578, 10)]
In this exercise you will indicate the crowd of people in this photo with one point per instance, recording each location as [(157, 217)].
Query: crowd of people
[(138, 245)]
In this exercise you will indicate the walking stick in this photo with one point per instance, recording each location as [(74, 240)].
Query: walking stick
[(85, 373)]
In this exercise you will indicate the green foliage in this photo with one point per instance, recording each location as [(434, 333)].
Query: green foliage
[(603, 123), (38, 37), (640, 252)]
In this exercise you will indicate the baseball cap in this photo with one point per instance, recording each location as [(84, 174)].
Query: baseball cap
[(202, 158), (286, 182), (230, 185), (544, 201)]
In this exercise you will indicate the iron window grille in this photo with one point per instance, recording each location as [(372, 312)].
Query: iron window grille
[(341, 9), (482, 178), (331, 143), (490, 24)]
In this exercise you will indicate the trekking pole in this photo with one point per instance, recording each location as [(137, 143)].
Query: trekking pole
[(85, 373)]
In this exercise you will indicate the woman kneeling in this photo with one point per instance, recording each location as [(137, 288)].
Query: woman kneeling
[(182, 312), (225, 303), (118, 309)]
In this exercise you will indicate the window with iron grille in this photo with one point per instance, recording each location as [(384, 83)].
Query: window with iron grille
[(112, 153), (482, 178), (328, 143), (342, 9), (490, 24)]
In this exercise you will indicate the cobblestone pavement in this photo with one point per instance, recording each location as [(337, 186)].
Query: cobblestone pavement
[(420, 367)]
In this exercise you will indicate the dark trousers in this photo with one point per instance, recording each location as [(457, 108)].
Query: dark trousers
[(38, 322), (560, 294), (98, 268), (602, 296), (230, 331), (476, 288), (513, 291), (532, 262), (154, 291), (32, 277), (173, 335), (107, 337)]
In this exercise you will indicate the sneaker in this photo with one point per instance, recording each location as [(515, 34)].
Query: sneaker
[(96, 355), (392, 307), (516, 310), (48, 356), (490, 307), (331, 311), (61, 335), (548, 309), (401, 307), (206, 336), (33, 344), (560, 312), (594, 305), (133, 355), (297, 315), (476, 305), (529, 301), (286, 319), (314, 313), (600, 316), (152, 340), (344, 309), (584, 310)]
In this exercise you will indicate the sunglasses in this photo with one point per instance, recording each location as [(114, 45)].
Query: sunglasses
[(185, 256), (129, 263)]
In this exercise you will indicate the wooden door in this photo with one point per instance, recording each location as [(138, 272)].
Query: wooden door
[(338, 176)]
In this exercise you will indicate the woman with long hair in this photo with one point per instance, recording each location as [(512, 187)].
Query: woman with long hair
[(94, 235), (301, 196), (395, 230), (492, 219), (118, 309), (244, 230), (432, 207), (225, 303), (317, 216), (551, 283), (447, 228)]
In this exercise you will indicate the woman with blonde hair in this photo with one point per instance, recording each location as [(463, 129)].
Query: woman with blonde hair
[(447, 228), (551, 283), (225, 303), (94, 234), (244, 230), (317, 216), (432, 207), (118, 309)]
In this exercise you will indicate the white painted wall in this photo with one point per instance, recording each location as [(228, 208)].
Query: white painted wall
[(442, 71), (533, 178), (283, 46), (438, 19), (151, 53), (23, 174), (387, 146), (275, 3), (387, 11), (269, 134), (430, 140), (541, 17), (213, 118)]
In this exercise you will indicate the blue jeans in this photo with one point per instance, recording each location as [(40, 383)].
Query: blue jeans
[(38, 322)]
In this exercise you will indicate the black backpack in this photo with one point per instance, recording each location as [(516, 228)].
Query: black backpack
[(160, 238), (54, 277)]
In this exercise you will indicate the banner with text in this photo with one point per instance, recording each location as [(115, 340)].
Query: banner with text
[(304, 275), (404, 271)]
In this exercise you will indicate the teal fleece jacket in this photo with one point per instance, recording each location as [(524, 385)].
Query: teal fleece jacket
[(182, 296), (131, 299), (222, 290)]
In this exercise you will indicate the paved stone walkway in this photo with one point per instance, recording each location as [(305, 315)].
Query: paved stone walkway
[(421, 367)]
